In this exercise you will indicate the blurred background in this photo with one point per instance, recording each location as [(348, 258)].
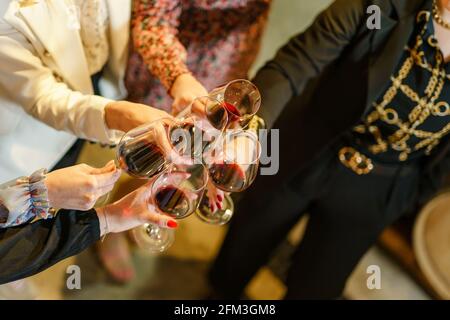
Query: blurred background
[(413, 256)]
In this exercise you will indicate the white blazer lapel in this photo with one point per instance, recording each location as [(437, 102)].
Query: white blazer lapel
[(52, 22)]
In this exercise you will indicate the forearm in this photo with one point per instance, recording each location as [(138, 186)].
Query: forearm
[(74, 112), (154, 31), (306, 55), (31, 248), (33, 86)]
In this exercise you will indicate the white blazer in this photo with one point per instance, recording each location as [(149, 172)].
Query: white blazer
[(45, 86)]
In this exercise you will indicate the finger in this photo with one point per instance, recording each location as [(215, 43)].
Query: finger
[(177, 159), (183, 102), (107, 179), (220, 195), (176, 109), (109, 167), (212, 205), (161, 220), (104, 190), (178, 106)]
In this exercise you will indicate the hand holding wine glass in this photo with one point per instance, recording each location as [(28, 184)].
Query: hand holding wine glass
[(147, 150), (184, 90), (131, 211), (177, 193), (125, 116), (80, 186)]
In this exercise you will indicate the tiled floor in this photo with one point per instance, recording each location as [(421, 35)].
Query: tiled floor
[(180, 273)]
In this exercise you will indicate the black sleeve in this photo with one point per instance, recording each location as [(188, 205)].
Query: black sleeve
[(31, 248), (306, 55), (435, 175)]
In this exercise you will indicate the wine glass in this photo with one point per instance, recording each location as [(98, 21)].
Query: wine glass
[(209, 112), (232, 167), (207, 118), (219, 216), (233, 163), (142, 152), (148, 150), (241, 99), (176, 192)]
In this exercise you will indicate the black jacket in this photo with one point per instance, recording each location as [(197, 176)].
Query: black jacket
[(31, 248), (324, 80)]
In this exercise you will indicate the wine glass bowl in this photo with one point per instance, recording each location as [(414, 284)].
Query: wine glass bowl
[(201, 124), (210, 112), (233, 164), (140, 152), (218, 217), (178, 191), (241, 99)]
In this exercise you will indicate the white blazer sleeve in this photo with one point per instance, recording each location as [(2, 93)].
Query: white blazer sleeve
[(35, 88)]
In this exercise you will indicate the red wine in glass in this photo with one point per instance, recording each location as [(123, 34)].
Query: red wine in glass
[(216, 115), (140, 158), (188, 140), (172, 201), (227, 175), (233, 113)]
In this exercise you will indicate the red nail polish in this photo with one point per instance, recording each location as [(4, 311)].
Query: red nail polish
[(172, 224), (219, 197), (219, 205)]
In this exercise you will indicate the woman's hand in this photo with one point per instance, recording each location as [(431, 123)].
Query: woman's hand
[(124, 115), (80, 186), (184, 90), (132, 211)]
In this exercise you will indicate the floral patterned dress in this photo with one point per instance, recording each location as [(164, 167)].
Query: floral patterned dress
[(215, 40)]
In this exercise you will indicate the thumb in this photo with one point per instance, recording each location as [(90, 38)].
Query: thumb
[(108, 168), (107, 178)]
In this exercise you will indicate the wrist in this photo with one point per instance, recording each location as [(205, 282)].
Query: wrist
[(177, 80), (113, 115), (103, 221)]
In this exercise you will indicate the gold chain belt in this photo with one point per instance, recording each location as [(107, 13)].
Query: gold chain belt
[(355, 161)]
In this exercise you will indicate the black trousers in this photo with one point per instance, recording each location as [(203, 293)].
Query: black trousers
[(347, 214)]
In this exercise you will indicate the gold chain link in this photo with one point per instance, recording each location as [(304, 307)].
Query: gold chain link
[(426, 106)]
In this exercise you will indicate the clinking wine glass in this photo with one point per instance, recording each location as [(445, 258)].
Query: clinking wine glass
[(232, 167), (147, 150), (242, 100), (206, 119), (140, 152), (176, 192)]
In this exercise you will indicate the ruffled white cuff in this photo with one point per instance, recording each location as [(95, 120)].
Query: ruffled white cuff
[(23, 199)]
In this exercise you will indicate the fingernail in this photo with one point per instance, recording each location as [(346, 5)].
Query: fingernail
[(172, 224), (219, 205), (219, 197)]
